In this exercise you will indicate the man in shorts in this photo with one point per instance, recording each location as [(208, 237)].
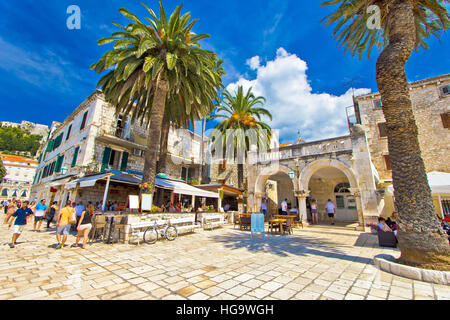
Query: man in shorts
[(331, 209), (39, 215), (20, 221), (63, 223)]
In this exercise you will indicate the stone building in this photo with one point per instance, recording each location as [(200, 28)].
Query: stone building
[(33, 128), (431, 107), (17, 182), (354, 170), (93, 139)]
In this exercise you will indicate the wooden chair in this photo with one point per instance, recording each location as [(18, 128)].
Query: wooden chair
[(289, 225), (119, 228), (99, 224), (236, 220)]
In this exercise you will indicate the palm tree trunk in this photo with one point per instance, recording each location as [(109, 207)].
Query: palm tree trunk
[(422, 241), (202, 151), (165, 129), (154, 132), (240, 175)]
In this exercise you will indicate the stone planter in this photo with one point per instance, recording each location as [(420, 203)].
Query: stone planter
[(387, 263)]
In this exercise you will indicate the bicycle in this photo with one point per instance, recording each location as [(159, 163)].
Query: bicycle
[(167, 231)]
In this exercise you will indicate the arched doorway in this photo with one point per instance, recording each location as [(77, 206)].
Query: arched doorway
[(279, 187), (332, 179)]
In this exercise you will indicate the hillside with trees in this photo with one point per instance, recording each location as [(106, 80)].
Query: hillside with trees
[(17, 141)]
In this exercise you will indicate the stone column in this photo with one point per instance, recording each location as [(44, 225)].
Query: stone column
[(301, 196), (258, 200), (359, 208)]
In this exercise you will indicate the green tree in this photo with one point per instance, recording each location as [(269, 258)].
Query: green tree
[(2, 170), (158, 65), (240, 126), (17, 140), (404, 26)]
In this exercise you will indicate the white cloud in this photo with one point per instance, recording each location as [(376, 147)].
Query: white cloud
[(254, 62), (284, 83)]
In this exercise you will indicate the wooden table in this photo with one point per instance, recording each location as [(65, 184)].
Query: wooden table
[(277, 221)]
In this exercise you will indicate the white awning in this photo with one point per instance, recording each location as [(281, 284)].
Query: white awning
[(59, 182), (70, 185), (91, 181), (184, 188), (439, 182)]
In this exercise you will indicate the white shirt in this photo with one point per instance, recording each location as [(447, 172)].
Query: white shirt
[(284, 206), (330, 207), (263, 206)]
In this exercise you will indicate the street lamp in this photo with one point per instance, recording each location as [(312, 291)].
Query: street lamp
[(291, 174)]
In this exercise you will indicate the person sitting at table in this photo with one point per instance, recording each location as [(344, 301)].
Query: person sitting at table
[(392, 221), (382, 226)]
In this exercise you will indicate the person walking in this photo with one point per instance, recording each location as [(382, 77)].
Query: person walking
[(314, 212), (63, 223), (12, 208), (331, 209), (39, 215), (20, 221), (264, 206), (79, 208), (84, 226), (51, 213), (284, 207)]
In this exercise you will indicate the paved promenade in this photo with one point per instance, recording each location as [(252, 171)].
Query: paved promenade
[(219, 264)]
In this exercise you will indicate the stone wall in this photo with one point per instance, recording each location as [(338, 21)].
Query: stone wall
[(428, 105)]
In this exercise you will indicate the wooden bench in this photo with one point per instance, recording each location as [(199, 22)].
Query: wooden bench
[(184, 224), (211, 222)]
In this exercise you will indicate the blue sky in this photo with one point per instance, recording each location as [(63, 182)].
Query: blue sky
[(44, 66)]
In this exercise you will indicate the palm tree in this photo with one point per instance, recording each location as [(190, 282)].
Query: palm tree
[(239, 112), (2, 170), (404, 26), (155, 65)]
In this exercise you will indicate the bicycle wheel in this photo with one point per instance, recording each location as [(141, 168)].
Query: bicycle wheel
[(171, 233), (150, 236)]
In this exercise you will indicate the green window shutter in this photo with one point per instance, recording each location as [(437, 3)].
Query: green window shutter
[(123, 165), (183, 173), (105, 160), (189, 174), (49, 146), (59, 162), (75, 157)]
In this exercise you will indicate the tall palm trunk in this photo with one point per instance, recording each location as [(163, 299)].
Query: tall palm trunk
[(154, 132), (202, 151), (422, 241), (240, 168), (162, 163)]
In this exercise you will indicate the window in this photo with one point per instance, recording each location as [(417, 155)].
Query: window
[(340, 202), (382, 128), (183, 173), (387, 161), (342, 188), (377, 104), (75, 157), (83, 122), (68, 132), (445, 90), (446, 119)]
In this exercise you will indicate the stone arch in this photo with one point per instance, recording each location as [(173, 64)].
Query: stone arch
[(267, 173), (313, 167)]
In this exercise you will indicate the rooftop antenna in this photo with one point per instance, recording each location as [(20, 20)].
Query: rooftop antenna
[(350, 83)]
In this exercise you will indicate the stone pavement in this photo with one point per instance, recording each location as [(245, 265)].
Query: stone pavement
[(220, 264)]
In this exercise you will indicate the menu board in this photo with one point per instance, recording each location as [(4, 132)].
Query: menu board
[(146, 202), (134, 202)]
